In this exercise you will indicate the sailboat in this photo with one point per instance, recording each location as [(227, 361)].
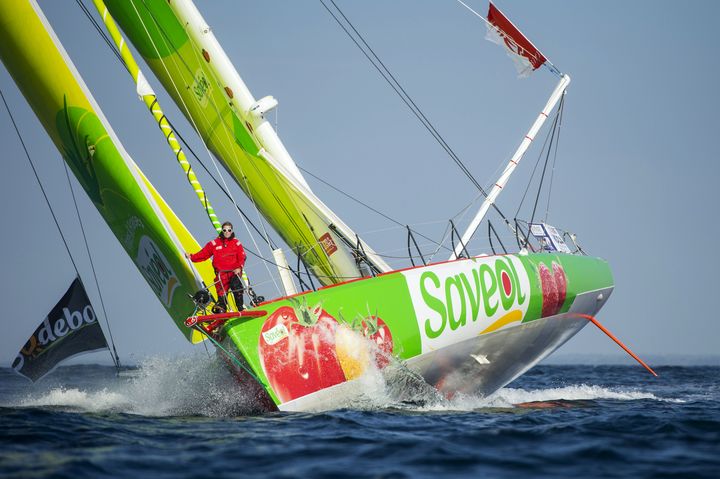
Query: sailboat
[(470, 324)]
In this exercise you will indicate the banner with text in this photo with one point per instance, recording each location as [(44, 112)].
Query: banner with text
[(71, 328)]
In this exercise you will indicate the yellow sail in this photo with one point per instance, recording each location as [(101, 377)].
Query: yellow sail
[(149, 231)]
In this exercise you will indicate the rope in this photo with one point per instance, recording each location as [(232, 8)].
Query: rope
[(547, 159), (552, 171), (116, 359), (316, 247), (368, 206), (548, 138), (269, 240), (405, 97), (102, 33), (192, 121), (57, 224)]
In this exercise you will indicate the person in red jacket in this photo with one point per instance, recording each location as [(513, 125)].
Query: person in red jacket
[(228, 260)]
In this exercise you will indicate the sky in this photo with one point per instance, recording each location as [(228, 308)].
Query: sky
[(635, 178)]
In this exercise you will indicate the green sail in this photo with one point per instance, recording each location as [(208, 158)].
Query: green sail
[(146, 227), (231, 133)]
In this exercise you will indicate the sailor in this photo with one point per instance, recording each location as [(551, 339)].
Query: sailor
[(228, 259)]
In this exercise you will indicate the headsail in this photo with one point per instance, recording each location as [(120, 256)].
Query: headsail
[(147, 228), (183, 53)]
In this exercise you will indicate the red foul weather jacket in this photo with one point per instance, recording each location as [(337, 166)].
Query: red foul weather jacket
[(227, 254)]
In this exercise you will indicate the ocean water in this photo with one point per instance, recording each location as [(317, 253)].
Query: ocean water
[(185, 417)]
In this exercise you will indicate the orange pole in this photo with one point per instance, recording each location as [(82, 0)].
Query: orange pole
[(617, 341)]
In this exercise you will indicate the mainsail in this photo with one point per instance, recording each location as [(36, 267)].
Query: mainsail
[(149, 231), (185, 56)]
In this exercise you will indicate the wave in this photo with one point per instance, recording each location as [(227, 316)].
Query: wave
[(190, 386), (199, 385)]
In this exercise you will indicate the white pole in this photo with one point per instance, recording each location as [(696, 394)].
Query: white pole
[(524, 145), (284, 270)]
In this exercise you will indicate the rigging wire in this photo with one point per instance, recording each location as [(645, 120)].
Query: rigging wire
[(194, 124), (187, 146), (369, 207), (532, 175), (552, 133), (102, 33), (263, 233), (552, 171), (224, 187), (92, 264), (317, 245), (547, 158), (115, 359), (405, 97), (268, 240)]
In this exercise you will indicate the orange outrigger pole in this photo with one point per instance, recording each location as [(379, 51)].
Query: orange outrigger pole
[(602, 328)]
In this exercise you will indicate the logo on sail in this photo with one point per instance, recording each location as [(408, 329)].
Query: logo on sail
[(328, 244), (157, 271), (201, 88), (460, 300)]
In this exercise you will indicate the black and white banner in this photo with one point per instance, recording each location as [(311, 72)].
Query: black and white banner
[(71, 328)]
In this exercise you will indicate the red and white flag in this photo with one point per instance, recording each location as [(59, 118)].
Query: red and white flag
[(524, 54)]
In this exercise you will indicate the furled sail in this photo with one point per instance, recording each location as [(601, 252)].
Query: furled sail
[(149, 231), (181, 50)]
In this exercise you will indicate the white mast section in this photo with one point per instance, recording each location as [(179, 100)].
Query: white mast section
[(246, 107), (524, 145)]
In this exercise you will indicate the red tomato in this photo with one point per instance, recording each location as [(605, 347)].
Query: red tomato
[(377, 331), (549, 291), (560, 282), (297, 351)]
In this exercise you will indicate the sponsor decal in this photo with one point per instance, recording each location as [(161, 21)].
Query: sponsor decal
[(157, 270), (69, 329), (328, 244), (275, 334), (462, 299), (200, 88)]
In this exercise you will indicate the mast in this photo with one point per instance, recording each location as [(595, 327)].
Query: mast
[(512, 164)]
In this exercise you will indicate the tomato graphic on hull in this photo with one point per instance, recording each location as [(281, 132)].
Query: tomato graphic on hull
[(554, 288), (549, 291), (377, 331), (297, 351), (560, 282), (364, 339)]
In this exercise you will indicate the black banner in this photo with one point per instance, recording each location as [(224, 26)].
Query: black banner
[(71, 328)]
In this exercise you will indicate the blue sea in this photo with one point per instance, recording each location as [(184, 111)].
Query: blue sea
[(185, 417)]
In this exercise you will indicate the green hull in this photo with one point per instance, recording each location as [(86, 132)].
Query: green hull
[(453, 322)]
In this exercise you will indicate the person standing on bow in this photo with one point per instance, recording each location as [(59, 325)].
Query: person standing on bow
[(228, 259)]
